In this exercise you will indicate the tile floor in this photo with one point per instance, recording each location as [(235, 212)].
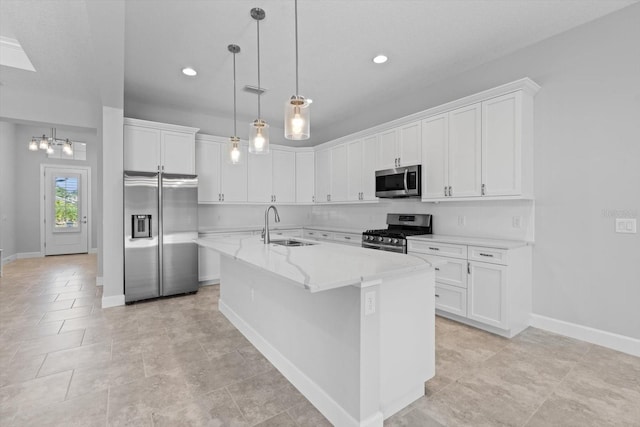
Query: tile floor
[(178, 362)]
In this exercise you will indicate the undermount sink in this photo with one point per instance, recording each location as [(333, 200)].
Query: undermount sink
[(290, 242)]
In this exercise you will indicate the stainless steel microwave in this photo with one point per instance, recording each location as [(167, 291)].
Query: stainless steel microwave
[(399, 182)]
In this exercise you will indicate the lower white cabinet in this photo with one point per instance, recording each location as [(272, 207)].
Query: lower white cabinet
[(486, 287), (487, 292)]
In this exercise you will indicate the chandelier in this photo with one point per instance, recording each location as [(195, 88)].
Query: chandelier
[(49, 143)]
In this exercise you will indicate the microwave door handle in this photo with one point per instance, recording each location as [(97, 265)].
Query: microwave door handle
[(406, 171)]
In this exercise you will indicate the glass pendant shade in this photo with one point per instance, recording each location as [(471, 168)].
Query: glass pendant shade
[(67, 148), (50, 149), (259, 137), (235, 154), (296, 118), (44, 143), (33, 145)]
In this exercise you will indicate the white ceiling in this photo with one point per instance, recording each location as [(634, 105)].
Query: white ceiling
[(425, 41)]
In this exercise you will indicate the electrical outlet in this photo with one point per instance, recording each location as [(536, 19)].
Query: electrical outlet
[(462, 220), (369, 303), (516, 221), (626, 225)]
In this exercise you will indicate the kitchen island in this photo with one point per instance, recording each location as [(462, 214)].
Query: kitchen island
[(351, 328)]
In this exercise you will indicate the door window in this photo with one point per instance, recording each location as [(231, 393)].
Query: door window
[(66, 203)]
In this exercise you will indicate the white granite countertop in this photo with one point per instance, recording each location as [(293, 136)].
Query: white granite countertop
[(318, 267), (234, 229), (471, 241)]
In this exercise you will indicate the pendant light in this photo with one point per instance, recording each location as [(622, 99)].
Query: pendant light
[(259, 129), (234, 142), (296, 109), (50, 143)]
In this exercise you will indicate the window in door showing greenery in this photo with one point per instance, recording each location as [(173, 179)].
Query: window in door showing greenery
[(66, 202)]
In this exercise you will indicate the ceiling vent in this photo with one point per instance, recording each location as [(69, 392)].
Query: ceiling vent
[(255, 89)]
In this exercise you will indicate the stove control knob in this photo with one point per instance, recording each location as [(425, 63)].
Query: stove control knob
[(395, 241), (380, 239)]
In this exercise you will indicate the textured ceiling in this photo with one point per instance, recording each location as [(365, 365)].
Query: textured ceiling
[(425, 41)]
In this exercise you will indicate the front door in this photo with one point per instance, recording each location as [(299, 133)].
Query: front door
[(66, 210)]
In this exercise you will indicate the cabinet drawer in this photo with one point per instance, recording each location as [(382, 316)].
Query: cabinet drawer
[(348, 238), (441, 249), (453, 273), (494, 256), (451, 299), (317, 235), (285, 233)]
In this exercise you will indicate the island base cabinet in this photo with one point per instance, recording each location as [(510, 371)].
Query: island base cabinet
[(488, 294), (358, 353)]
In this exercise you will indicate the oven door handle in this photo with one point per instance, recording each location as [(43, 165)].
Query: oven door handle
[(406, 171), (383, 247)]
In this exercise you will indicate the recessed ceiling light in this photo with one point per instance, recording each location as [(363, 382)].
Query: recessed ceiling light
[(380, 59), (188, 71)]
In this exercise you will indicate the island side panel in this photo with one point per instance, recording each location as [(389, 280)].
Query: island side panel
[(407, 338), (317, 333)]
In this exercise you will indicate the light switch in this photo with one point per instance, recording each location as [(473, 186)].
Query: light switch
[(369, 303), (626, 225)]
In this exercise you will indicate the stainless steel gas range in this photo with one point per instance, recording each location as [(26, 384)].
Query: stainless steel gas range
[(394, 237)]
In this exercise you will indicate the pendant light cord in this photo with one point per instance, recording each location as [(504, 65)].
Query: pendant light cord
[(259, 86), (235, 132), (296, 21)]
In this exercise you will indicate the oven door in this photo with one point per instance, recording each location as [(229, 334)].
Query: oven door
[(382, 247), (399, 182)]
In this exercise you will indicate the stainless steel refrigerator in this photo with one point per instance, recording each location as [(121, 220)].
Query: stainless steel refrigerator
[(160, 225)]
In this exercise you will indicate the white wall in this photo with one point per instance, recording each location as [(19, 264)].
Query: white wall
[(8, 148), (587, 166), (27, 181)]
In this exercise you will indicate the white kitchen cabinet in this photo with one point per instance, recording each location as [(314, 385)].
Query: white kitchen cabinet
[(502, 145), (339, 173), (260, 178), (323, 176), (488, 294), (305, 177), (152, 146), (401, 146), (272, 177), (435, 159), (486, 287), (464, 152), (208, 170), (362, 161), (284, 175), (218, 180), (234, 177)]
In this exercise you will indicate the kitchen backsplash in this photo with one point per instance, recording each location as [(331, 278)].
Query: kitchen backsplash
[(512, 219)]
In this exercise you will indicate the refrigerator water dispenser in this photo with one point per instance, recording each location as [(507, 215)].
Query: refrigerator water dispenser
[(140, 226)]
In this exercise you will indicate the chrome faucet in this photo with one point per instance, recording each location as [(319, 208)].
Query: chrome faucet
[(265, 230)]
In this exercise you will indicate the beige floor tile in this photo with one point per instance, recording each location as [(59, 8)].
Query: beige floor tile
[(108, 374), (79, 357), (213, 409), (223, 343), (141, 398), (264, 396), (20, 369), (88, 410), (28, 395), (71, 313), (306, 415), (49, 344), (413, 418), (280, 420), (31, 332)]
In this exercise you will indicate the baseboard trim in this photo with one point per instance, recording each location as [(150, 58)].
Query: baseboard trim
[(112, 301), (10, 258), (610, 340), (99, 280), (23, 255), (314, 393), (93, 250)]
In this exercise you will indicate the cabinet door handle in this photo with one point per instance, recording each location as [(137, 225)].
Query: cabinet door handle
[(482, 192), (437, 269), (434, 249), (445, 191), (468, 268), (399, 162), (219, 197), (450, 192), (223, 197), (487, 255), (347, 237), (437, 296), (313, 199)]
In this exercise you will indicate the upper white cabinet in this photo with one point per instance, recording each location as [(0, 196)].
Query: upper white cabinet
[(305, 177), (401, 146), (464, 152), (362, 161), (323, 176), (272, 177), (152, 146), (502, 145), (218, 180), (484, 149), (339, 173)]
